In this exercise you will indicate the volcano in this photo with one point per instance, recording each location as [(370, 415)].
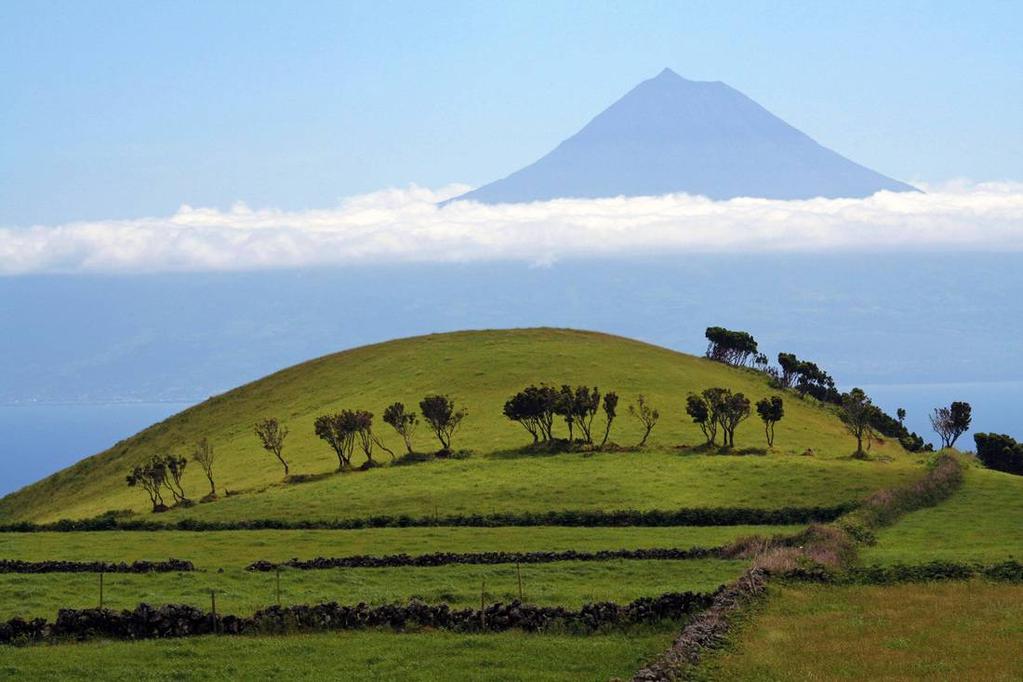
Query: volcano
[(674, 135)]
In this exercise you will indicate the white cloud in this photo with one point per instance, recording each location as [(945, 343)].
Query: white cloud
[(406, 226)]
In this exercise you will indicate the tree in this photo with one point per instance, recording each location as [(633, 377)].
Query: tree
[(175, 467), (565, 407), (900, 414), (999, 452), (362, 422), (534, 408), (271, 435), (857, 412), (647, 416), (337, 430), (698, 409), (734, 408), (203, 456), (150, 476), (951, 422), (771, 410), (610, 406), (586, 404), (731, 347), (789, 364), (439, 412), (405, 423)]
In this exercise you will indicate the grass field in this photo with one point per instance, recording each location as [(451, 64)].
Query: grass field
[(347, 656), (914, 631), (236, 549), (936, 631), (607, 481), (480, 370), (566, 583), (982, 522)]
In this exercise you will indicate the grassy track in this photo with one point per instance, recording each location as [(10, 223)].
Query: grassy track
[(236, 549), (935, 631), (343, 656), (982, 522), (566, 583), (480, 370)]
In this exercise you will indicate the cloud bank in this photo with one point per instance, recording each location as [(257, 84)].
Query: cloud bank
[(404, 226)]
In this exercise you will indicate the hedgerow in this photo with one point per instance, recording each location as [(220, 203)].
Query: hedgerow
[(169, 566)]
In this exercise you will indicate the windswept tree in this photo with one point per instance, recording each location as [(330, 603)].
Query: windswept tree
[(175, 466), (734, 408), (610, 407), (565, 407), (363, 423), (585, 404), (534, 409), (647, 416), (789, 364), (338, 431), (202, 454), (271, 436), (771, 411), (699, 410), (403, 421), (857, 413), (731, 347), (900, 414), (440, 414), (951, 422), (150, 477)]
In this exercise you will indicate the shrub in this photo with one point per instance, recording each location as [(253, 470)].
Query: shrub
[(999, 452)]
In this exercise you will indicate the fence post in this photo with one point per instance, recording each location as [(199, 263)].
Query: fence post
[(101, 590), (277, 586), (518, 572)]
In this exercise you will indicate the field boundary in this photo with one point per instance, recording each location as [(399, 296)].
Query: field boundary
[(489, 558), (173, 620), (59, 566), (693, 516)]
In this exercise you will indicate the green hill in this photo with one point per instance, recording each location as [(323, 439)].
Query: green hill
[(479, 370)]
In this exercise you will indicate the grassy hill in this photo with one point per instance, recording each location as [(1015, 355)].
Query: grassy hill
[(480, 370)]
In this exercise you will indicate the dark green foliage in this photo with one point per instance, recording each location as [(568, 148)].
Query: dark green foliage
[(999, 452), (534, 408), (771, 411), (402, 421), (440, 414), (857, 412), (731, 347), (338, 431), (699, 410), (951, 422), (700, 516)]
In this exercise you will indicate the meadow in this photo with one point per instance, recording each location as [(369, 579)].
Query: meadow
[(479, 370), (931, 631), (983, 522), (347, 655), (810, 466)]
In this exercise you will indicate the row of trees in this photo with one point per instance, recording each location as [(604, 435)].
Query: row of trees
[(719, 409), (1000, 452), (346, 430), (161, 476), (537, 408)]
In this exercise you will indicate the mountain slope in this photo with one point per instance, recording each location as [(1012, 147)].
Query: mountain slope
[(673, 135), (480, 370)]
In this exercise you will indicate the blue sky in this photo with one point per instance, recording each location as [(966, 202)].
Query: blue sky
[(116, 110)]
